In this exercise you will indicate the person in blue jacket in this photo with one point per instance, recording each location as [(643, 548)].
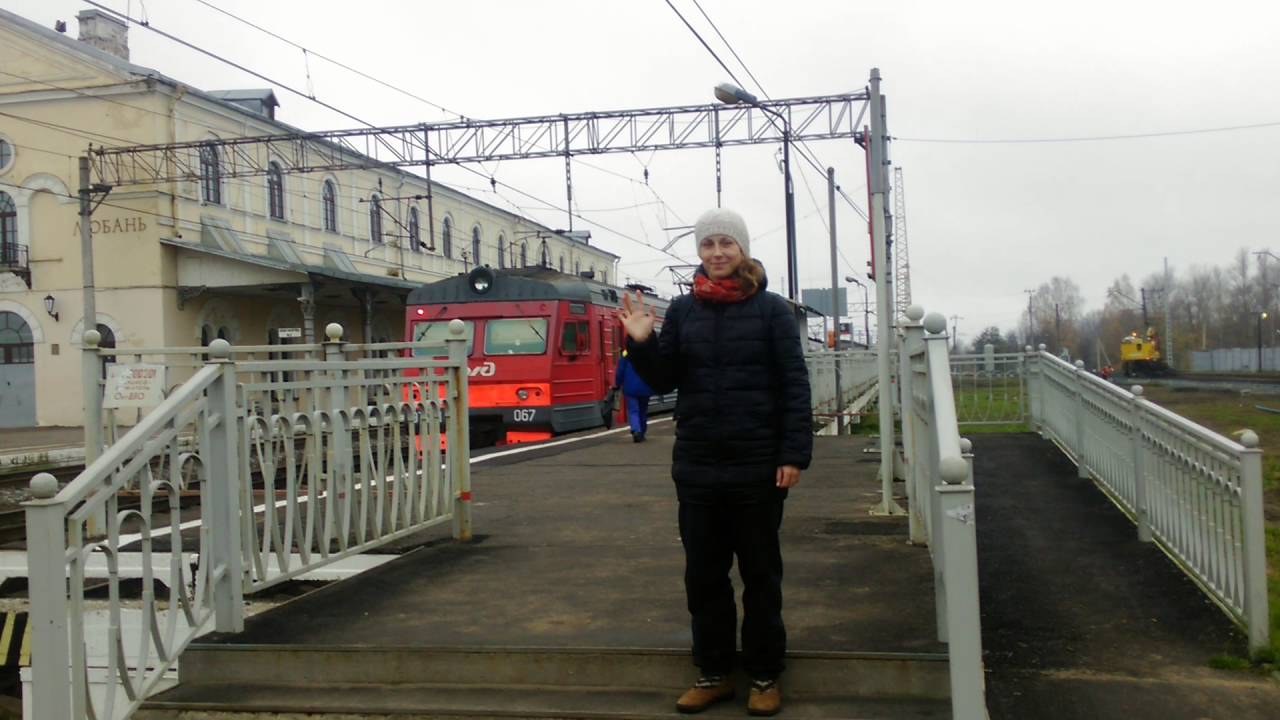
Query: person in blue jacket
[(637, 393)]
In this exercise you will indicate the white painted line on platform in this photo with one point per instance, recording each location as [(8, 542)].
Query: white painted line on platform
[(540, 446)]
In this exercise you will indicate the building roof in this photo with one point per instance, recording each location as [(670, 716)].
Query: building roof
[(225, 99)]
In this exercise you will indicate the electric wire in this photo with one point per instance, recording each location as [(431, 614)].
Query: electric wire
[(299, 93), (1087, 138), (392, 87)]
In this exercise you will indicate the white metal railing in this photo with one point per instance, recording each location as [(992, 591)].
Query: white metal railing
[(839, 383), (990, 388), (940, 494), (1197, 493), (355, 462)]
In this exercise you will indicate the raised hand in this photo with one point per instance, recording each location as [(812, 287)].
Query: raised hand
[(637, 319)]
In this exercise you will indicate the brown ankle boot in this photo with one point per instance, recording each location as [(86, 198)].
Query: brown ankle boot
[(709, 690), (765, 698)]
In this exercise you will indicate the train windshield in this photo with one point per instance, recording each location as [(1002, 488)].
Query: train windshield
[(433, 335), (525, 336)]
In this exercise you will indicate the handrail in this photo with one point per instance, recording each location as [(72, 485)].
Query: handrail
[(354, 447), (1193, 491), (940, 501)]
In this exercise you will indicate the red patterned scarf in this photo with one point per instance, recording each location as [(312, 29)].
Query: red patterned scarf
[(728, 290)]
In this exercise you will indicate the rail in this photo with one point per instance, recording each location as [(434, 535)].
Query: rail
[(363, 466), (1194, 492), (940, 495), (840, 384)]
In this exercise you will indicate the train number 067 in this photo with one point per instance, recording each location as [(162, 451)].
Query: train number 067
[(523, 415)]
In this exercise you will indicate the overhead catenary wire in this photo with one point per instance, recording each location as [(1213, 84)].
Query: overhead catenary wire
[(301, 94), (397, 89)]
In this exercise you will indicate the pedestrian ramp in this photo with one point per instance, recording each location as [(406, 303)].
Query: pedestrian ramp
[(570, 603)]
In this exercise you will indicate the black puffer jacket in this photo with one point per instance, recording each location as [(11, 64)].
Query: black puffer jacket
[(743, 408)]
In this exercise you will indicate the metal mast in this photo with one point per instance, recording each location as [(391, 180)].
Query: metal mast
[(901, 261)]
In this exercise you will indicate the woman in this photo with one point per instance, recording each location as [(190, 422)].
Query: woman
[(743, 435)]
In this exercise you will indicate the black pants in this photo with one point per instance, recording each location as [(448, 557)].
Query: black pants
[(712, 535)]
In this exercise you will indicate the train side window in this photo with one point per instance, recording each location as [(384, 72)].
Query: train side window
[(575, 338)]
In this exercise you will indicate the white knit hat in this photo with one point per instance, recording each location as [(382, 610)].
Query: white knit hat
[(723, 222)]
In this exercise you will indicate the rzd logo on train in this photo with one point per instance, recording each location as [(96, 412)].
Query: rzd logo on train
[(484, 370)]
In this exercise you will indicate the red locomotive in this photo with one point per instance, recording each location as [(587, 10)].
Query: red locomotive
[(542, 347)]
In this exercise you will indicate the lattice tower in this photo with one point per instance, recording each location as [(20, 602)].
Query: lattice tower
[(901, 259)]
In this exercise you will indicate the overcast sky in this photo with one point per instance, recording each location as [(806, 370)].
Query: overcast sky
[(985, 220)]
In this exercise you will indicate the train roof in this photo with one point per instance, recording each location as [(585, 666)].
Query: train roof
[(517, 284)]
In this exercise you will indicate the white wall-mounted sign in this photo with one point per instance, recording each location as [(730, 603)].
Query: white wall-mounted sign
[(284, 333), (134, 386)]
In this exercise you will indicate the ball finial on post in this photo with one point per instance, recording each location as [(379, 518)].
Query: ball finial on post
[(914, 313), (44, 486), (1079, 364), (935, 323), (953, 470), (1136, 390), (91, 338), (219, 349), (1249, 439), (457, 327), (333, 331)]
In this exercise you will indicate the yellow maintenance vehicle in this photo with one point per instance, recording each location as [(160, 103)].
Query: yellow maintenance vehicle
[(1140, 356)]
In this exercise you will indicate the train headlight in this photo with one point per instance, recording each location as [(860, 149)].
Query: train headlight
[(522, 393), (480, 280)]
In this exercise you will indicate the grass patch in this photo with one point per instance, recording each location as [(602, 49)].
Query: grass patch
[(1229, 662)]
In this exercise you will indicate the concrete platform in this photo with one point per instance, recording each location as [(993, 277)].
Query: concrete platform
[(575, 581)]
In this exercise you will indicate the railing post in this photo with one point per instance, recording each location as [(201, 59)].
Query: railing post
[(47, 590), (90, 375), (1255, 551), (1035, 390), (964, 624), (459, 431), (1082, 467), (226, 574), (1143, 509), (912, 338)]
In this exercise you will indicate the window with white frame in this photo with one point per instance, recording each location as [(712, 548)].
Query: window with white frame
[(210, 174), (475, 245), (375, 218), (415, 231), (329, 202), (502, 251), (275, 190), (446, 236)]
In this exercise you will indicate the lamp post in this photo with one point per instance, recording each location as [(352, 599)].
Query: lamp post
[(866, 308), (731, 94), (1261, 316)]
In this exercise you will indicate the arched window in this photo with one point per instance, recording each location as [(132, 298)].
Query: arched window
[(108, 340), (604, 276), (446, 237), (8, 228), (475, 245), (329, 199), (375, 218), (16, 345), (545, 260), (210, 174), (415, 234), (275, 190), (561, 262), (524, 254), (577, 267), (502, 251)]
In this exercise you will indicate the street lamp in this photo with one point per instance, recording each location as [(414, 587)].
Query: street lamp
[(866, 308), (731, 94), (1261, 316)]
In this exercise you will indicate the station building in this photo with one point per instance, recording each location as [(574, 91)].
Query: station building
[(256, 261)]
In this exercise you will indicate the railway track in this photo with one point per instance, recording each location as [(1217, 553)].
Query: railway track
[(1264, 384)]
